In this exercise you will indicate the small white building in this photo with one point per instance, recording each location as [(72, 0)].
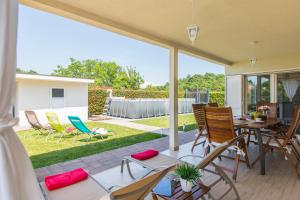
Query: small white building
[(41, 93)]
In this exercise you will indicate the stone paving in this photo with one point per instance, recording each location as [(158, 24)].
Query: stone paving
[(103, 161)]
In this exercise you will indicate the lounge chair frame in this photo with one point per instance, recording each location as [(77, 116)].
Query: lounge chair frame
[(208, 160)]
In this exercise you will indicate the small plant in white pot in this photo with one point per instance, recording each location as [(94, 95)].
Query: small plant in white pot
[(188, 175)]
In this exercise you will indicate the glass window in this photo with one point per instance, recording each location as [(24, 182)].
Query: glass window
[(257, 90), (57, 92)]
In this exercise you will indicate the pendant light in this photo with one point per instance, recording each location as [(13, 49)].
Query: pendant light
[(193, 29), (253, 59)]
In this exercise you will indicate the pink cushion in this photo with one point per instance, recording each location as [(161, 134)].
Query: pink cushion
[(70, 129), (150, 153), (57, 181)]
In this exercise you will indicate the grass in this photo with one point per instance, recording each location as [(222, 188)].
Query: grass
[(163, 122), (71, 147)]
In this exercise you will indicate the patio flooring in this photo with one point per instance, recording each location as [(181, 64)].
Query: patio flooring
[(279, 183), (106, 160)]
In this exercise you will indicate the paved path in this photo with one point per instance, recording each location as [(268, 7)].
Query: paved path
[(129, 124), (103, 161)]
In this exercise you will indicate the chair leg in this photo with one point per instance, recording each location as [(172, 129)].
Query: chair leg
[(128, 169), (154, 196), (122, 165), (207, 150), (248, 139), (244, 148), (61, 136), (236, 166), (227, 180), (196, 141)]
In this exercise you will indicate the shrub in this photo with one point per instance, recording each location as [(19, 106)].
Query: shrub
[(97, 97), (218, 97), (96, 101)]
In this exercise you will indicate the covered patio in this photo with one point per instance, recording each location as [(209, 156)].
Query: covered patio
[(250, 39)]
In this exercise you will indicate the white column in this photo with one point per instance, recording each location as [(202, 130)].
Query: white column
[(273, 88), (173, 91)]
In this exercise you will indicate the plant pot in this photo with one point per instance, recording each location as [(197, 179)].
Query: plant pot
[(186, 186)]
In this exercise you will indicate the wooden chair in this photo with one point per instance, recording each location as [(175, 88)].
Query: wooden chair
[(219, 127), (286, 143), (198, 110), (213, 104)]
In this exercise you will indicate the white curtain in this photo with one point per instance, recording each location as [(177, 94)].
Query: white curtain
[(290, 88), (17, 178)]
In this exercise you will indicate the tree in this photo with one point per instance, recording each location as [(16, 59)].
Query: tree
[(129, 78), (22, 71), (104, 73)]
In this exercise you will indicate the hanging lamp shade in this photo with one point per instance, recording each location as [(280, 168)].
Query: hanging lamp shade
[(193, 32)]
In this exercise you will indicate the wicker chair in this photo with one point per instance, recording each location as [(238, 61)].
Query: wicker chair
[(219, 127)]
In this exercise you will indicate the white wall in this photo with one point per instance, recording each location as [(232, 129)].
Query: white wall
[(36, 95), (234, 94)]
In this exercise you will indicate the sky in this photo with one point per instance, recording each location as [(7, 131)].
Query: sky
[(46, 40)]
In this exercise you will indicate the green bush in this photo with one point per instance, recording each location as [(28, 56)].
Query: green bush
[(97, 97), (96, 101), (218, 97)]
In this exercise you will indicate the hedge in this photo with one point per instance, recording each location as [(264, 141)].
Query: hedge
[(218, 97), (97, 97)]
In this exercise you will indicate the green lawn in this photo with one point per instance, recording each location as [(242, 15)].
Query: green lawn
[(71, 147), (163, 122)]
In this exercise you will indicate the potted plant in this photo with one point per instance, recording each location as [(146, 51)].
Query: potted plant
[(188, 175)]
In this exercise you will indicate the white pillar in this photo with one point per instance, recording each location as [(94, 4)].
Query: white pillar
[(273, 88), (173, 92)]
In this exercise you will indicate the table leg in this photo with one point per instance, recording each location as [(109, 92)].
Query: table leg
[(261, 151)]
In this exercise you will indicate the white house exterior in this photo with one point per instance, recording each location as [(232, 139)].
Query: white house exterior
[(40, 93)]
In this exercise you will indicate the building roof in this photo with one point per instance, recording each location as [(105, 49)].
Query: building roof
[(52, 78)]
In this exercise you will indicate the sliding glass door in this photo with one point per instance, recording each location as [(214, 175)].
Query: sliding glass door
[(257, 91)]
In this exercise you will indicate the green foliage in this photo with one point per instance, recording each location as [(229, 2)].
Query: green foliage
[(211, 81), (217, 97), (188, 172), (129, 79), (22, 71), (96, 101), (104, 73)]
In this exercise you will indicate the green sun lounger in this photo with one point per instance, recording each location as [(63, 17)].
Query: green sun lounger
[(79, 125)]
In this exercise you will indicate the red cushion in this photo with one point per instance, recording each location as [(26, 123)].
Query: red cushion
[(65, 179), (150, 153)]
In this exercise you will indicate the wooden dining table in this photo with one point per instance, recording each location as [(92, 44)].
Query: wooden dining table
[(257, 126)]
